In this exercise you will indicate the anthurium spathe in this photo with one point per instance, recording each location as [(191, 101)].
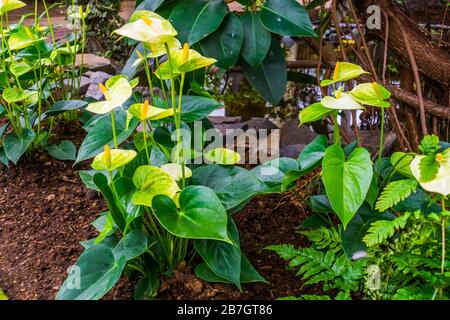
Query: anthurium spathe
[(111, 160), (341, 101), (155, 50), (183, 61), (371, 94), (22, 39), (441, 182), (223, 156), (148, 27), (145, 112), (176, 171), (150, 182), (9, 5), (115, 96), (344, 71)]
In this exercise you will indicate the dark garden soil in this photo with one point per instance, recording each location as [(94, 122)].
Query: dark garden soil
[(45, 211)]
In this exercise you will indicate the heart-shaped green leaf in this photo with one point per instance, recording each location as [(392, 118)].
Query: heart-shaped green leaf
[(287, 18), (225, 44), (222, 257), (66, 150), (66, 105), (201, 214), (16, 144), (132, 245), (313, 113), (256, 39), (313, 153), (346, 181), (93, 275), (196, 108)]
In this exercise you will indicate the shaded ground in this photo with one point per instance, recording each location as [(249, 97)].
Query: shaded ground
[(45, 211)]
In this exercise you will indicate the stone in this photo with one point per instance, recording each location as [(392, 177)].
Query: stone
[(224, 120), (292, 134), (292, 150), (95, 63), (84, 84), (95, 79), (261, 123)]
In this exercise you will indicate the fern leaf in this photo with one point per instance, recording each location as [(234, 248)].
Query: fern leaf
[(394, 193), (285, 251), (324, 238), (383, 229)]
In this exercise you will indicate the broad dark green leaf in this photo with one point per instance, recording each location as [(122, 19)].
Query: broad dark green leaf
[(150, 5), (201, 214), (221, 257), (147, 288), (256, 42), (101, 135), (287, 18), (270, 77), (225, 44), (274, 171), (321, 204), (313, 113), (66, 105), (101, 182), (196, 108), (132, 245), (3, 157), (66, 150), (346, 181), (195, 20), (87, 178), (234, 186), (130, 70), (15, 145), (313, 153), (352, 237), (372, 194), (94, 274)]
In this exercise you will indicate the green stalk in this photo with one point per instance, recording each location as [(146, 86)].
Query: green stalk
[(380, 153), (443, 235), (161, 81), (83, 40), (113, 125), (147, 72), (144, 127), (180, 100), (337, 134)]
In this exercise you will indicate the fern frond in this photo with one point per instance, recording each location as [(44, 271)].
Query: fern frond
[(395, 192), (381, 230), (285, 251), (324, 238), (414, 293)]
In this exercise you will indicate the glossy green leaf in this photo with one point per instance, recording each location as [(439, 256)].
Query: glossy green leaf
[(286, 18), (7, 6), (223, 258), (196, 20), (201, 214), (313, 153), (270, 77), (346, 181), (16, 144), (101, 134), (313, 113), (66, 150), (149, 113), (105, 224), (132, 245), (15, 95), (66, 105), (196, 108), (257, 39), (19, 68), (3, 158), (93, 275), (273, 172), (352, 237), (152, 181), (225, 44), (22, 39), (222, 156), (401, 162), (176, 171)]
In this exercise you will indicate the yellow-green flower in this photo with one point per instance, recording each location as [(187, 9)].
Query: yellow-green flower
[(115, 96), (144, 112), (371, 94), (341, 101), (148, 27), (441, 183), (344, 71), (9, 5), (110, 160), (156, 50), (183, 61), (176, 171)]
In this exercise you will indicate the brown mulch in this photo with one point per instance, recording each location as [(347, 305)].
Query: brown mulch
[(45, 211)]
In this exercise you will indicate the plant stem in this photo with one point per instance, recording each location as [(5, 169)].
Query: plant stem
[(144, 132), (337, 134), (149, 76), (113, 125), (443, 234), (380, 152), (180, 101)]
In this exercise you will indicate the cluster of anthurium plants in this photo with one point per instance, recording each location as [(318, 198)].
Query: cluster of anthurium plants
[(162, 209), (37, 80), (392, 213)]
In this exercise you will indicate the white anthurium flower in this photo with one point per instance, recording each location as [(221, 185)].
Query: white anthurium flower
[(115, 96), (156, 50), (441, 183), (342, 101), (176, 171), (149, 28)]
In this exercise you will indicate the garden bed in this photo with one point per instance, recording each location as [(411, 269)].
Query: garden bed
[(46, 211)]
